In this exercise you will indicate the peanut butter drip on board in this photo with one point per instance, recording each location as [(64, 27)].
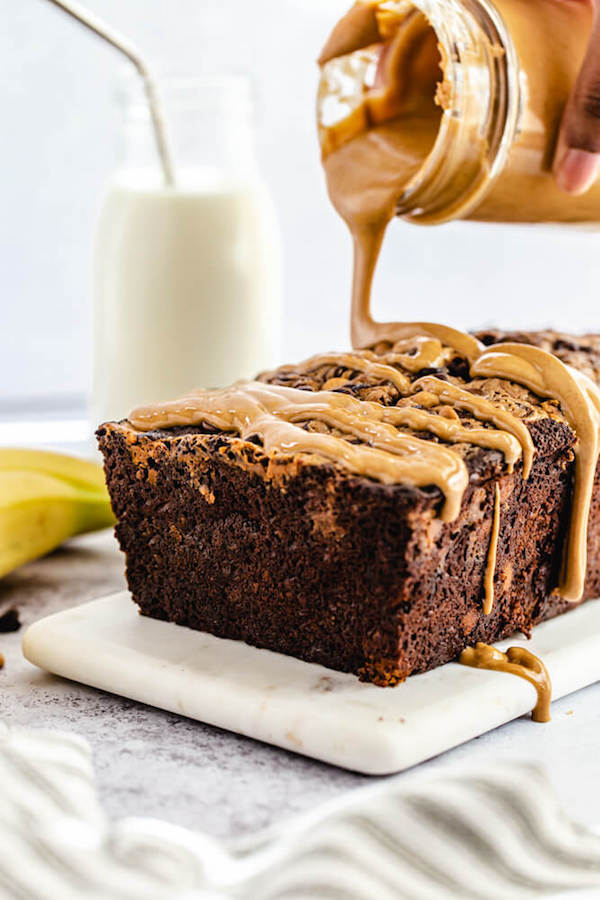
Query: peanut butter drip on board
[(516, 661)]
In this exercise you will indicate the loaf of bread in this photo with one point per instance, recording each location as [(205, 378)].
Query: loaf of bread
[(298, 553)]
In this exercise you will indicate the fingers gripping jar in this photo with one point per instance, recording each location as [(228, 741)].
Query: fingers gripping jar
[(436, 110)]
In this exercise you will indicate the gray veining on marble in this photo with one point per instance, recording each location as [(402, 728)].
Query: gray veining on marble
[(158, 764)]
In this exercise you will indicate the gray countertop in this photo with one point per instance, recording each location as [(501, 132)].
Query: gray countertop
[(153, 763)]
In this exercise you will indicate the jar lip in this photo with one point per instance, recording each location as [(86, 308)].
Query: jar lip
[(489, 20)]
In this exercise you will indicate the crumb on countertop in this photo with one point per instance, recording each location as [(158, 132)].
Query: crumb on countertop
[(9, 620)]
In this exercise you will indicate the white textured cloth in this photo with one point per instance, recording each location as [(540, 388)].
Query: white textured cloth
[(494, 834)]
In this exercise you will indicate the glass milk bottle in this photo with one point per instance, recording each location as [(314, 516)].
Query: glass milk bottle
[(187, 278)]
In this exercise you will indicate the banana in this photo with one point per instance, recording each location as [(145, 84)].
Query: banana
[(46, 498), (79, 472)]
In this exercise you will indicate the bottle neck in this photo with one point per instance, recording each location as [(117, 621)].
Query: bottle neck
[(208, 123)]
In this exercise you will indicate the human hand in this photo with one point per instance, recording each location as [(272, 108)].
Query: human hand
[(577, 160)]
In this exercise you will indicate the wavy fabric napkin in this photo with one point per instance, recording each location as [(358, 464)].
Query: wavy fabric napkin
[(491, 834)]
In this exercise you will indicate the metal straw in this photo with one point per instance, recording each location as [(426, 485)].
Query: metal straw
[(131, 52)]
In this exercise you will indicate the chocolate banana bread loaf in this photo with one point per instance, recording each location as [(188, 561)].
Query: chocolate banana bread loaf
[(297, 553)]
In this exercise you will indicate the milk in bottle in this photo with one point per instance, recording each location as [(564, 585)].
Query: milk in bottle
[(187, 278)]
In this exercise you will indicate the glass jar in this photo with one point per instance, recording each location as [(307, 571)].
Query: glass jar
[(187, 278), (507, 69)]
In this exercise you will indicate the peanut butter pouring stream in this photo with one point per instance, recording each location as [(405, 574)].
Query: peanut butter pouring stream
[(368, 162)]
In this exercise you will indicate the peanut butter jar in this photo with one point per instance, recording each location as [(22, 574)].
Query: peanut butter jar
[(436, 110)]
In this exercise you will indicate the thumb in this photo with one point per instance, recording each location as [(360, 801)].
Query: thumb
[(577, 160)]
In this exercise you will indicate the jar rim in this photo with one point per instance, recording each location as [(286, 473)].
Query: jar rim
[(503, 98)]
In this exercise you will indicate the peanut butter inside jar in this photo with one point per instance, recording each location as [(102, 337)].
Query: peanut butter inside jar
[(437, 110)]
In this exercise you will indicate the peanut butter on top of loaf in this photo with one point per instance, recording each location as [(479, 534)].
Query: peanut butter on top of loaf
[(383, 442)]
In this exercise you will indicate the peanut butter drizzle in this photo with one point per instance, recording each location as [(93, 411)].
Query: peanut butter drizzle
[(275, 413), (430, 353), (511, 438), (482, 409), (421, 352), (370, 158), (490, 569), (449, 428), (579, 398), (361, 361), (516, 661)]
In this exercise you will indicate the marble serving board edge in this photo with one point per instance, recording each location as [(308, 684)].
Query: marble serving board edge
[(299, 706)]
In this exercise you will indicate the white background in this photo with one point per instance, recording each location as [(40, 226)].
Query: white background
[(57, 149)]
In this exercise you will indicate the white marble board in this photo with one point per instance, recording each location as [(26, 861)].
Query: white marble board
[(303, 707)]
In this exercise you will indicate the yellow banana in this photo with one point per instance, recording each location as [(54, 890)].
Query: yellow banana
[(45, 499), (80, 472)]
